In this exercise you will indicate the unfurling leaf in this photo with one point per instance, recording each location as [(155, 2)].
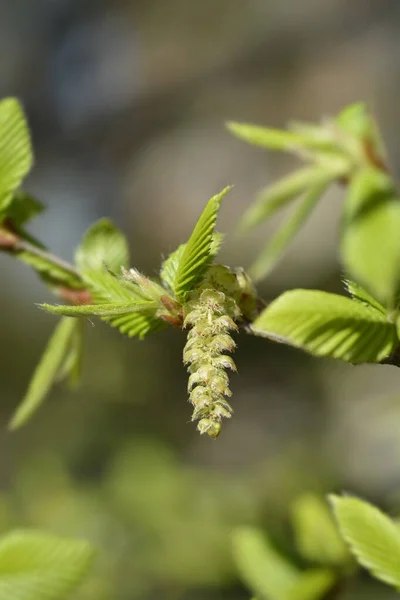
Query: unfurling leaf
[(39, 566), (279, 242), (15, 150), (328, 325), (46, 372), (103, 244), (266, 572), (370, 244), (373, 538), (316, 534), (198, 251)]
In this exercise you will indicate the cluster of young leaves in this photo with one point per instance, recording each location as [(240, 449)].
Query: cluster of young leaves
[(272, 576), (125, 299), (99, 284), (348, 149), (39, 566)]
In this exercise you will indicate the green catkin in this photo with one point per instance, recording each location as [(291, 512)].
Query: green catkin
[(211, 317)]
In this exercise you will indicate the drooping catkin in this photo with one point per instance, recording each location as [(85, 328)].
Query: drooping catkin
[(211, 318)]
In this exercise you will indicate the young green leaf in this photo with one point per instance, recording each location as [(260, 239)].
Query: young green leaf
[(15, 150), (268, 574), (322, 138), (313, 584), (273, 139), (170, 265), (358, 293), (316, 535), (103, 244), (46, 372), (373, 538), (197, 253), (138, 325), (107, 288), (282, 238), (99, 310), (53, 273), (274, 197), (71, 369), (23, 208), (355, 119), (39, 566), (370, 244), (328, 325)]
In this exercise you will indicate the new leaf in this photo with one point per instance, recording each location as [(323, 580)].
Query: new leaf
[(15, 150), (328, 325), (103, 244), (99, 310), (373, 538), (370, 245), (282, 238), (46, 372), (108, 289), (198, 252)]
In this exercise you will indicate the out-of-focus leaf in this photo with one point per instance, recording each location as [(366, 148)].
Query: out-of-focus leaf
[(46, 372), (316, 535), (373, 538), (15, 149), (274, 197), (277, 245), (313, 584), (23, 208), (268, 574), (370, 244), (38, 566), (355, 119), (197, 253), (273, 139), (328, 325), (103, 244)]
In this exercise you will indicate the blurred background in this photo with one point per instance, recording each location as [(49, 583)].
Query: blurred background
[(127, 102)]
